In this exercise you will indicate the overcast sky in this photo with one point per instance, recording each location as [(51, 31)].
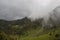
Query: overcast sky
[(15, 9)]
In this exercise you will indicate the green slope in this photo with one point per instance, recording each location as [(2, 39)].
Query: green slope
[(46, 36)]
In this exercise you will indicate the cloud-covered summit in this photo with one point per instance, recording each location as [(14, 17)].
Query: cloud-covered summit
[(17, 9)]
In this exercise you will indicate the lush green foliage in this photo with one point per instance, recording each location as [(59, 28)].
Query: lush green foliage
[(26, 29)]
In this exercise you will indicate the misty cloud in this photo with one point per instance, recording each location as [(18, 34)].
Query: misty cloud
[(17, 9)]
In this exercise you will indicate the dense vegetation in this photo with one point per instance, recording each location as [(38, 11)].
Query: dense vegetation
[(25, 29)]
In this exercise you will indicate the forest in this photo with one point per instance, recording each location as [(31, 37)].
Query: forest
[(25, 29)]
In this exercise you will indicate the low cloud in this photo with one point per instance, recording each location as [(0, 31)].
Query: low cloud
[(17, 9)]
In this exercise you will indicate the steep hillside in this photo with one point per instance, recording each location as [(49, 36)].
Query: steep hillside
[(25, 29)]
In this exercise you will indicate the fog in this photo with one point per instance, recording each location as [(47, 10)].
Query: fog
[(17, 9)]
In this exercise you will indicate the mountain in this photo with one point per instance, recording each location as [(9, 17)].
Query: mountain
[(25, 29)]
